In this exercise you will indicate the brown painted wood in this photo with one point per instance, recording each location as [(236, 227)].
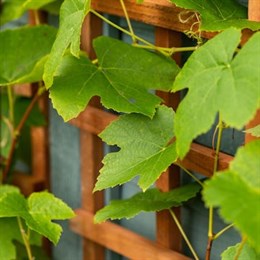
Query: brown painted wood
[(91, 149), (159, 13), (167, 233), (254, 10), (120, 240), (93, 120)]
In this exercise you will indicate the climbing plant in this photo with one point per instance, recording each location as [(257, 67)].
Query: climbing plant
[(222, 81)]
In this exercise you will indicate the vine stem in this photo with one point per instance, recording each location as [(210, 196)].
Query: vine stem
[(128, 21), (215, 168), (17, 133), (190, 174), (244, 239), (178, 224), (153, 47), (25, 238), (222, 231), (170, 50), (11, 104)]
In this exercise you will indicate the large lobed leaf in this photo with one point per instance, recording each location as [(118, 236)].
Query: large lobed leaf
[(23, 53), (219, 15), (218, 82), (237, 192), (38, 211), (122, 79), (72, 14), (145, 149), (150, 200)]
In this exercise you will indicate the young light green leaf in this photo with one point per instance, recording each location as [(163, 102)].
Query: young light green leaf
[(219, 15), (12, 202), (72, 14), (38, 211), (247, 253), (9, 233), (217, 82), (150, 200), (44, 207), (237, 195), (145, 149), (122, 80), (26, 63), (255, 131)]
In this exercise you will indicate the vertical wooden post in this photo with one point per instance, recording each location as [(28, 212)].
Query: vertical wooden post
[(253, 15), (91, 149), (168, 234)]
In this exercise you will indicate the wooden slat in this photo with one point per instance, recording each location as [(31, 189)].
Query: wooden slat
[(167, 233), (93, 120), (91, 149), (120, 240), (159, 13), (254, 10)]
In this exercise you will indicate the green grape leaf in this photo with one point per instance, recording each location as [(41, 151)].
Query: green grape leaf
[(26, 63), (32, 4), (219, 15), (12, 202), (150, 200), (255, 131), (247, 163), (10, 232), (236, 194), (218, 82), (11, 10), (145, 149), (122, 79), (37, 211), (72, 14), (247, 253), (44, 207)]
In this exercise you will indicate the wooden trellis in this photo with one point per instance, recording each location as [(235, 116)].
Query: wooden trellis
[(164, 16)]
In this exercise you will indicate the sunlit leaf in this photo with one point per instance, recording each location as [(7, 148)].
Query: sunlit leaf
[(32, 4), (72, 14), (218, 82), (220, 14), (255, 131), (37, 212), (150, 200), (122, 79), (145, 149), (238, 195), (31, 45), (247, 253)]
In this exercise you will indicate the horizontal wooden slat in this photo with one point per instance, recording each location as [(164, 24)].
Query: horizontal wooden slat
[(120, 240), (159, 13), (93, 120), (200, 158)]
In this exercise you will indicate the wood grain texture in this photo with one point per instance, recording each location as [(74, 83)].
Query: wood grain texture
[(120, 240), (167, 233), (158, 13)]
